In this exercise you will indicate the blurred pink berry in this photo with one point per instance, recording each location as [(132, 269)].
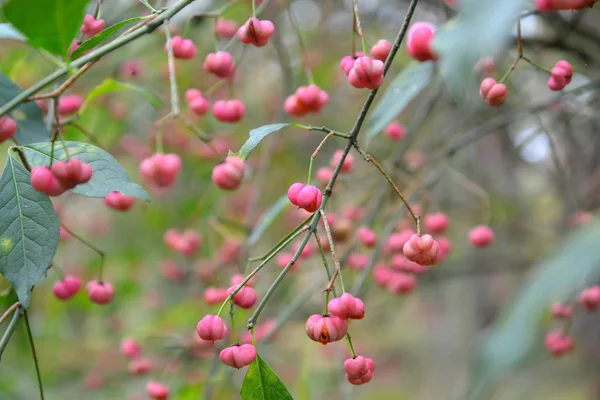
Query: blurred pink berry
[(91, 26), (561, 311), (260, 332), (130, 348), (422, 249), (100, 292), (353, 213), (401, 283), (236, 279), (366, 236), (366, 73), (401, 263), (229, 174), (560, 75), (139, 366), (558, 343), (481, 236), (225, 28), (197, 102), (160, 169), (395, 131), (8, 128), (347, 166), (307, 99), (211, 327), (419, 41), (69, 104), (130, 69), (183, 49), (67, 287), (493, 93), (244, 298), (229, 110), (437, 222), (590, 297), (346, 64), (284, 258), (293, 192), (357, 261), (256, 32), (214, 295), (238, 356), (309, 198), (220, 64), (326, 329), (381, 50), (359, 369), (445, 248), (347, 307), (71, 173), (381, 275), (187, 242), (396, 241), (118, 201), (157, 391), (324, 175)]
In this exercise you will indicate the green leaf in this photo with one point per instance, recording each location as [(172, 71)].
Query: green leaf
[(481, 29), (261, 383), (111, 85), (256, 136), (574, 265), (267, 219), (48, 24), (29, 117), (30, 230), (101, 37), (108, 175), (7, 31), (406, 85)]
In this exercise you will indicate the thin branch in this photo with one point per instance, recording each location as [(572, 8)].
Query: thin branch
[(9, 331), (89, 245), (9, 311), (336, 262), (66, 84), (34, 354)]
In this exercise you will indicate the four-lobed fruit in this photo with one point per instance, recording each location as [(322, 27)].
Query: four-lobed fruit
[(238, 355), (183, 49), (119, 201), (307, 197), (67, 287), (100, 292), (419, 41), (366, 73), (359, 370), (160, 169), (211, 327), (492, 92), (326, 329), (256, 32), (229, 174)]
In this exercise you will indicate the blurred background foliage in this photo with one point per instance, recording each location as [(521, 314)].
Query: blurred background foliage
[(473, 327)]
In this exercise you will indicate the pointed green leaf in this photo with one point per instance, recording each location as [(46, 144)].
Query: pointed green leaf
[(108, 175), (7, 31), (406, 86), (48, 24), (256, 136), (514, 337), (267, 219), (28, 116), (29, 230), (111, 85), (486, 26), (261, 383), (101, 37)]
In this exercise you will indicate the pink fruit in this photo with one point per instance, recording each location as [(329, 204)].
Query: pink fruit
[(220, 64), (238, 356), (558, 343), (401, 283), (256, 32), (91, 26), (436, 223), (419, 41), (139, 366), (366, 236), (8, 128), (131, 69), (225, 28), (69, 104), (187, 242), (183, 49), (229, 174), (560, 75), (396, 241), (307, 99), (445, 248), (100, 292), (157, 391), (214, 295), (346, 64), (381, 275), (211, 327), (395, 131), (359, 369), (401, 263), (44, 181), (561, 311), (493, 93), (130, 348), (357, 261), (160, 169), (324, 175), (381, 50), (197, 102), (67, 287), (229, 110), (309, 198), (244, 298), (590, 297), (481, 236), (347, 166), (347, 307), (118, 201), (260, 332), (422, 249), (71, 173), (293, 192), (366, 73), (326, 329)]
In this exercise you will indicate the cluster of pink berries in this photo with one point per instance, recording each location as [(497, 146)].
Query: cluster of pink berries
[(560, 75), (366, 73), (219, 64), (229, 174), (98, 292), (138, 365), (62, 176), (8, 128), (183, 49), (91, 26), (558, 342), (556, 5), (160, 169), (304, 196), (492, 92), (244, 298), (307, 99), (186, 243)]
